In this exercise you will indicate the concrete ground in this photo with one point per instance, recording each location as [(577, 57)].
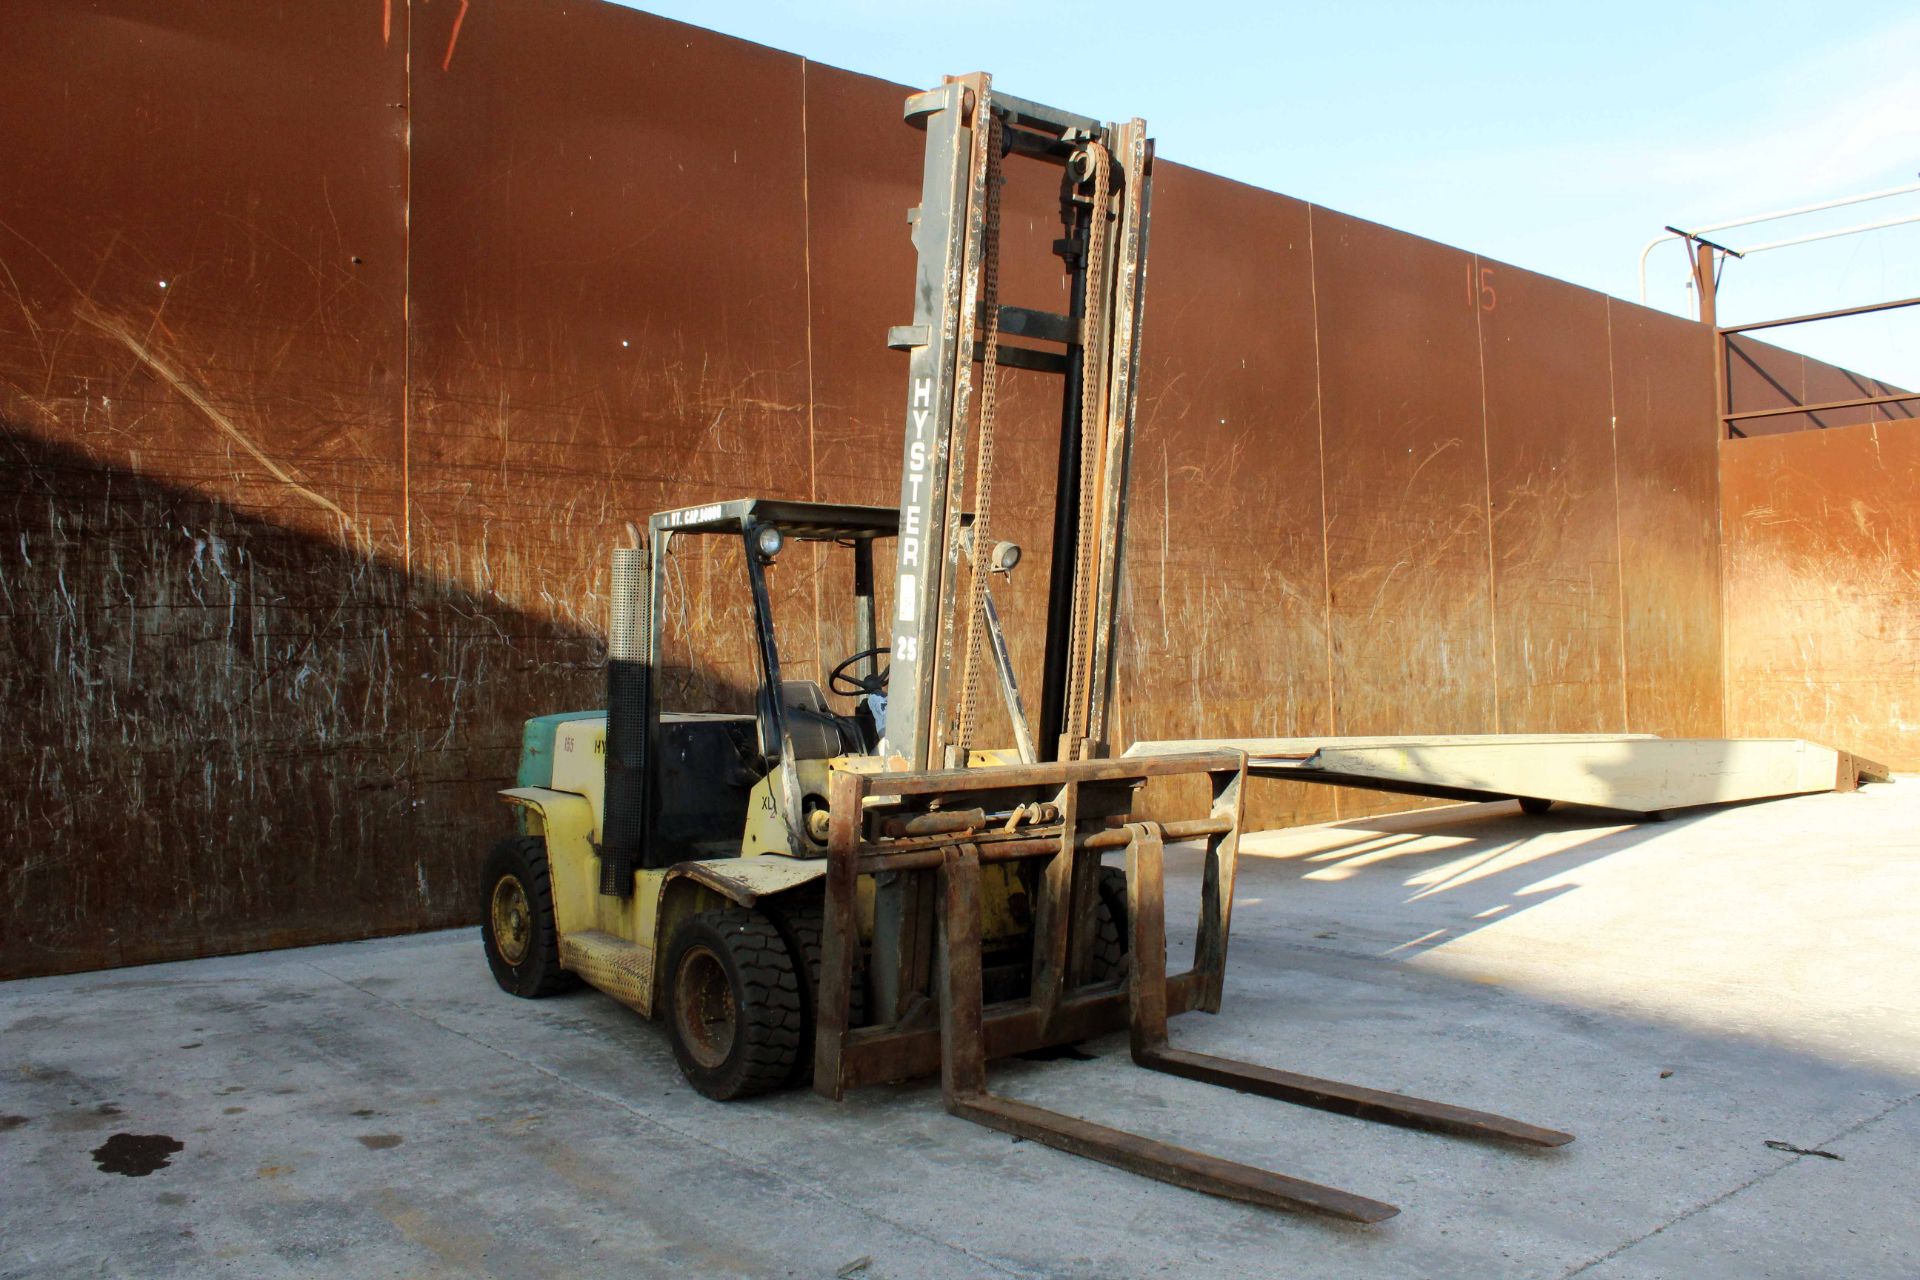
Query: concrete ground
[(1709, 1003)]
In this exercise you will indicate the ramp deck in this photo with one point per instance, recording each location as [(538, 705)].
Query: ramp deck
[(1635, 773)]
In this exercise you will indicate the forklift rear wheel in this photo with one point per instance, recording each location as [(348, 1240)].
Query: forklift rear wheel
[(733, 1004), (516, 920)]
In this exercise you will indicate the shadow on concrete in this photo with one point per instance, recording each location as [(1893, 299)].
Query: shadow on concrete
[(1485, 868)]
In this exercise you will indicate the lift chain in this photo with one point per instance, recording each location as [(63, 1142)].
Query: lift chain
[(983, 466), (1092, 396)]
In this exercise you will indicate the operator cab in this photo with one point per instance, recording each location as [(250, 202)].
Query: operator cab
[(793, 717), (718, 766)]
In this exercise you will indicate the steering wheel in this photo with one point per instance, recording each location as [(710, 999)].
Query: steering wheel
[(850, 686)]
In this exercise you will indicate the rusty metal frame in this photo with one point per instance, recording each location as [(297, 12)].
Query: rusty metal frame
[(906, 1044), (904, 824), (1723, 350)]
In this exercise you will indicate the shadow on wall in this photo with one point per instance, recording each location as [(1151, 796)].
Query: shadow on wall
[(230, 736)]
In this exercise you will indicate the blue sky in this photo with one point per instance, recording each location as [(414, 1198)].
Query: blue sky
[(1554, 136)]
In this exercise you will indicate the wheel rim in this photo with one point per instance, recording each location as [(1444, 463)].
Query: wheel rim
[(703, 1007), (512, 919)]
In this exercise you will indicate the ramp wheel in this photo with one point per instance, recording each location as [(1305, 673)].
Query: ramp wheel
[(516, 920), (733, 1004), (1534, 806)]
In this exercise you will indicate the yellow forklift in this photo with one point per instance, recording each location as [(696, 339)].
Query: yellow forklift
[(860, 892)]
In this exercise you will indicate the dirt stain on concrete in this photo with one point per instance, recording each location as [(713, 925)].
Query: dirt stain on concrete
[(12, 1122), (380, 1141), (136, 1154)]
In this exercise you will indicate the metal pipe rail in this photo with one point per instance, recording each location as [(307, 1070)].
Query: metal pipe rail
[(1723, 348), (1865, 309), (1829, 406), (1777, 214)]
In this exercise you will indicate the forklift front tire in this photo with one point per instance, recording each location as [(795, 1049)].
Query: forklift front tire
[(516, 920), (733, 1004)]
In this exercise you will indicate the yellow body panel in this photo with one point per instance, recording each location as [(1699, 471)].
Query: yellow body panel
[(580, 764), (765, 832), (569, 825), (613, 942)]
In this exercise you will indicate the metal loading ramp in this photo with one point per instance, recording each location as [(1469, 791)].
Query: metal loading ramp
[(1634, 773)]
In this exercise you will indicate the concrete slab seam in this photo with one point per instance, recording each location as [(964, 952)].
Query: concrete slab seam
[(1754, 1181)]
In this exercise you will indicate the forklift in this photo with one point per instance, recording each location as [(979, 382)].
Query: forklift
[(857, 891)]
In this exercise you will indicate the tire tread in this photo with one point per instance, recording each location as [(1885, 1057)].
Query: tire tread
[(768, 1006), (525, 856)]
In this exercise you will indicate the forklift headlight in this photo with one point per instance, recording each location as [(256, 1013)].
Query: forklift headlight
[(767, 540)]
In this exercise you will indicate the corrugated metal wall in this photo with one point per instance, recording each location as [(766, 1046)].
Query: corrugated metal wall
[(340, 340)]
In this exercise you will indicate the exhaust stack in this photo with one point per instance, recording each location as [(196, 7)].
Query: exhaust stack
[(623, 824)]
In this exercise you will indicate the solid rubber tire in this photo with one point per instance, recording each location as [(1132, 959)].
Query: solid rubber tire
[(766, 1000), (800, 923), (539, 972), (1108, 959)]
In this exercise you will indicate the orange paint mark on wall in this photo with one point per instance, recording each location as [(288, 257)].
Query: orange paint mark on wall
[(454, 38)]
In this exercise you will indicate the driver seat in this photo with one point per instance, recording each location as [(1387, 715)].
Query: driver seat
[(817, 733)]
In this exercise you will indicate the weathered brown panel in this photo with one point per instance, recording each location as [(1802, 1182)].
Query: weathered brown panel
[(863, 174), (1405, 482), (607, 318), (1764, 376), (201, 363), (1823, 382), (1823, 588), (1225, 629), (1665, 440), (223, 302), (1556, 547)]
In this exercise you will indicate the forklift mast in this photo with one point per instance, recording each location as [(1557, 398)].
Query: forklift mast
[(943, 625)]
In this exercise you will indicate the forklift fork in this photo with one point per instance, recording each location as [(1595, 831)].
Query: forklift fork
[(1062, 1006), (963, 1061), (963, 1084)]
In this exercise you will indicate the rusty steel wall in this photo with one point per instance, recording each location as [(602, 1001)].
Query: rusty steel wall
[(1821, 529), (293, 544), (208, 658), (1666, 433), (1823, 587)]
